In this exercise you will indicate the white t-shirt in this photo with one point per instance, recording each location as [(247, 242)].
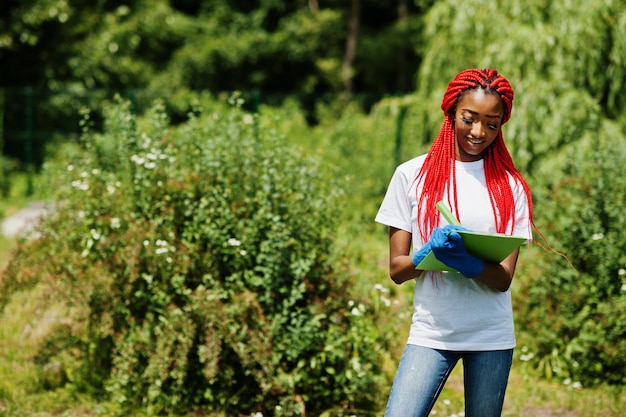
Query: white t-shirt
[(452, 312)]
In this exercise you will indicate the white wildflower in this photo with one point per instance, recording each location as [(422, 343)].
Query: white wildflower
[(137, 159), (110, 189), (150, 165), (248, 119), (621, 272), (597, 236), (163, 247), (234, 242), (70, 168), (115, 223), (243, 252), (386, 301), (81, 185), (146, 141), (381, 288), (357, 310), (146, 242)]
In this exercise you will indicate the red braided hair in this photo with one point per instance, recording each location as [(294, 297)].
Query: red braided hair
[(438, 173)]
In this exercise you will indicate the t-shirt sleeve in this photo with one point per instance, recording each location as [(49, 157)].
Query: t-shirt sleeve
[(395, 210)]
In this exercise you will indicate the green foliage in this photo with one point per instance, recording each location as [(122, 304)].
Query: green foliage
[(361, 146), (574, 319), (217, 45), (202, 272), (565, 64)]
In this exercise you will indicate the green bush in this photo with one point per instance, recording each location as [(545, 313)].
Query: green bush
[(574, 319), (201, 265)]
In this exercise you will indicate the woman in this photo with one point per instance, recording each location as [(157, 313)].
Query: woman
[(463, 315)]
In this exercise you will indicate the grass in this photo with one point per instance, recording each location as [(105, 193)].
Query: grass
[(529, 396)]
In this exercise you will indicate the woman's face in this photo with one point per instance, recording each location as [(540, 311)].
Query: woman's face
[(477, 121)]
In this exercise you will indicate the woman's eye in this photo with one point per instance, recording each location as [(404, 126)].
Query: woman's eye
[(492, 126), (466, 120)]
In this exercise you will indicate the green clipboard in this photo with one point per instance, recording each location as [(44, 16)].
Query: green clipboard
[(486, 246)]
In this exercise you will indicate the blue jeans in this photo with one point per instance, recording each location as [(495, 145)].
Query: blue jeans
[(422, 373)]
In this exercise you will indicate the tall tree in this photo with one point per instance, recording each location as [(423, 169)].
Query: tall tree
[(351, 44)]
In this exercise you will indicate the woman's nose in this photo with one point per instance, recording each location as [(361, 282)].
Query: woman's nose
[(478, 130)]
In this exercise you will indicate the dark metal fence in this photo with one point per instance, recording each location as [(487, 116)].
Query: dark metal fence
[(32, 120)]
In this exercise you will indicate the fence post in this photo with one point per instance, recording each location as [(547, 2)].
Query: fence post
[(399, 124), (256, 100), (28, 139), (4, 181)]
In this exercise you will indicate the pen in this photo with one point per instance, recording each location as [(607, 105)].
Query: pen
[(447, 214)]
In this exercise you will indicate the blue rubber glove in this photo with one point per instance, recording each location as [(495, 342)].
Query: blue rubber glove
[(449, 248), (421, 253)]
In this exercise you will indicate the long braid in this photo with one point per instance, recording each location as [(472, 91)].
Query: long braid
[(438, 173)]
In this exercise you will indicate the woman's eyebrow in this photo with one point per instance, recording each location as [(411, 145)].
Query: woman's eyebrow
[(493, 116)]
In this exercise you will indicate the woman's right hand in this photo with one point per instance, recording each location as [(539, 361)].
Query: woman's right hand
[(421, 253)]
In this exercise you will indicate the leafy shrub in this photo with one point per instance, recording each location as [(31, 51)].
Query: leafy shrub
[(362, 146), (201, 265), (574, 319)]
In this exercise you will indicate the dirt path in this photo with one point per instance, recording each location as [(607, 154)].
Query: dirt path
[(23, 221)]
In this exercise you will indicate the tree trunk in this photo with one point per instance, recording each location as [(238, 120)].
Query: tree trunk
[(403, 9), (402, 79), (351, 44)]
